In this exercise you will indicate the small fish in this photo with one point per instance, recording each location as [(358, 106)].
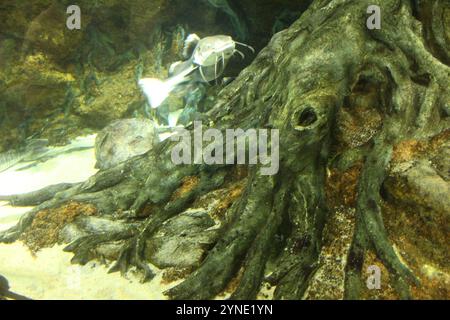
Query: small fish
[(37, 150), (32, 149), (206, 61), (10, 158), (5, 293)]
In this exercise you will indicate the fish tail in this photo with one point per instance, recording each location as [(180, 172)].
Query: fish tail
[(36, 146), (155, 90)]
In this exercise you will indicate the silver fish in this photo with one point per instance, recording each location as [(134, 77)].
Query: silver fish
[(208, 58), (32, 149), (37, 150)]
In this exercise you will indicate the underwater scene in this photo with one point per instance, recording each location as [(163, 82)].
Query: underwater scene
[(225, 149)]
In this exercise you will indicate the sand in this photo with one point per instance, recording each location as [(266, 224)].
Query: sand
[(49, 274)]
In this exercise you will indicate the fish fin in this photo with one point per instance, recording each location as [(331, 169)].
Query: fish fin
[(36, 143), (155, 90), (191, 71), (35, 148), (172, 68), (189, 45)]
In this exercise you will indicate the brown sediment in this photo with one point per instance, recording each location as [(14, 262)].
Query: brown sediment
[(187, 184), (341, 194), (419, 234), (408, 150), (44, 231), (173, 274), (357, 125), (438, 140), (341, 186), (328, 281), (219, 201), (423, 245), (386, 291), (231, 195), (417, 224)]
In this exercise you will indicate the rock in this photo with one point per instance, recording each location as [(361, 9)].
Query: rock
[(417, 218), (34, 87), (84, 226), (70, 233), (48, 33), (122, 140), (100, 225), (182, 241), (106, 98)]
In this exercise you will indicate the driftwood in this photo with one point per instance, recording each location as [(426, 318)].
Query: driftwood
[(297, 84)]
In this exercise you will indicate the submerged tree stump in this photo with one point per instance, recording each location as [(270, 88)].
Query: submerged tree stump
[(325, 62)]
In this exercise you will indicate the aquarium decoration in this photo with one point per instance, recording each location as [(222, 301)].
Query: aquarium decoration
[(224, 150), (205, 61)]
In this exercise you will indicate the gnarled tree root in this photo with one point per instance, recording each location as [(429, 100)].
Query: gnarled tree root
[(297, 84)]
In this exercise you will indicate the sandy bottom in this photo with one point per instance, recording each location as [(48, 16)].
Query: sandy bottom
[(49, 274)]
